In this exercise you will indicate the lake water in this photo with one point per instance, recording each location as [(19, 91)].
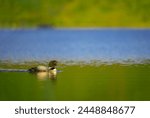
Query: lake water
[(94, 64), (74, 44)]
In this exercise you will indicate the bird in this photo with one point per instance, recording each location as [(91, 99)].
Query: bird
[(44, 71)]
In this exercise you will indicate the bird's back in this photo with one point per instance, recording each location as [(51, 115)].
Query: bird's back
[(42, 68)]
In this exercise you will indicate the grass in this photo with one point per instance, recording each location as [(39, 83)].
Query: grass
[(74, 13)]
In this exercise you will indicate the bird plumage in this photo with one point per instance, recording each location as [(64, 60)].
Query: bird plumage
[(50, 70)]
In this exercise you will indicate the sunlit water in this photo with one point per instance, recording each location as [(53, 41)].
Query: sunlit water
[(79, 81)]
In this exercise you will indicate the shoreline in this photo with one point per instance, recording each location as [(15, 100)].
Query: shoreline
[(76, 28)]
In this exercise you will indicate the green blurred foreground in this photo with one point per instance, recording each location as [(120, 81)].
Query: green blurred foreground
[(74, 13), (80, 82)]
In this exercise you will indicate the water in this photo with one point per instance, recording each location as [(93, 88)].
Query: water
[(105, 82), (74, 44), (76, 81)]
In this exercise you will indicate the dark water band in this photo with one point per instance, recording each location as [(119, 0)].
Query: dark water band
[(19, 70), (13, 70)]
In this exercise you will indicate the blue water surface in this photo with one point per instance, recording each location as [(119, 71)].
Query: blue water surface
[(74, 44)]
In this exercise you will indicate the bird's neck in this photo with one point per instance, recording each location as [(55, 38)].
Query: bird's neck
[(51, 68)]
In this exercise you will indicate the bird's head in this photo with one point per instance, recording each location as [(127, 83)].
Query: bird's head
[(52, 63)]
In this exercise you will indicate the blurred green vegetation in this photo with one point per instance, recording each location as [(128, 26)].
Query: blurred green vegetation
[(74, 13)]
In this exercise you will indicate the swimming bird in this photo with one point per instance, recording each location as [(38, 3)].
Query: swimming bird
[(49, 70)]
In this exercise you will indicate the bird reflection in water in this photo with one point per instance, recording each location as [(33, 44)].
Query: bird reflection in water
[(45, 75)]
